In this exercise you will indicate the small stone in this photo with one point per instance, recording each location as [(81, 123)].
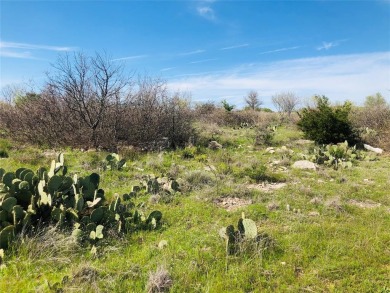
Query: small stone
[(314, 214), (162, 244), (273, 206), (214, 145), (315, 200)]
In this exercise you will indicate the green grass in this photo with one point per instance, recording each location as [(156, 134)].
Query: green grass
[(343, 248)]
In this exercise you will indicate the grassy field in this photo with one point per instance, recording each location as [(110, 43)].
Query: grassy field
[(329, 230)]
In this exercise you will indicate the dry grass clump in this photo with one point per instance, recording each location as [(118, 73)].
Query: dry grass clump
[(198, 179), (47, 245), (159, 281)]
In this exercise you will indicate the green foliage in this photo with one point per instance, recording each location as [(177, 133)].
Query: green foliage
[(29, 200), (265, 135), (228, 107), (246, 235), (153, 185), (189, 152), (326, 124), (256, 172), (3, 154), (113, 162), (375, 101), (339, 155), (267, 110)]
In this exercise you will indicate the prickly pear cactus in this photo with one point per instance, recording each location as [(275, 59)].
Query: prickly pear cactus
[(52, 197), (247, 230)]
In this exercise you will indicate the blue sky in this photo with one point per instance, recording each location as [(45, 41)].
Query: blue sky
[(213, 49)]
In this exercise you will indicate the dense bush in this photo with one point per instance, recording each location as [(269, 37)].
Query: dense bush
[(326, 124), (373, 121), (87, 102), (211, 114)]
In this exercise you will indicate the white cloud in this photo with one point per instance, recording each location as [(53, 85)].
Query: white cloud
[(206, 12), (23, 50), (167, 68), (327, 45), (13, 45), (18, 55), (339, 77), (280, 50), (130, 57), (192, 52), (202, 61), (235, 47)]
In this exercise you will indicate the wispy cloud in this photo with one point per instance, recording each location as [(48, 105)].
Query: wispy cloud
[(24, 50), (13, 45), (130, 58), (339, 77), (206, 12), (192, 52), (235, 47), (202, 61), (280, 50), (328, 45), (167, 69), (205, 73), (18, 55)]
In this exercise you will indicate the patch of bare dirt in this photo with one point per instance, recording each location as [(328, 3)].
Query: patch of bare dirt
[(266, 187), (368, 204), (232, 203)]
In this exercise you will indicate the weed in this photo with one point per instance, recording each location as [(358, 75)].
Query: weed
[(198, 179), (3, 154), (159, 281)]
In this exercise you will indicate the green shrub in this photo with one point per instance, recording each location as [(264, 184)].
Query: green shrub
[(265, 135), (3, 154), (326, 124), (256, 172), (198, 179), (228, 107)]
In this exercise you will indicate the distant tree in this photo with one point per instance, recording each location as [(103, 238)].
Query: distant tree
[(375, 114), (11, 92), (375, 101), (268, 110), (285, 102), (228, 107), (252, 100), (205, 108)]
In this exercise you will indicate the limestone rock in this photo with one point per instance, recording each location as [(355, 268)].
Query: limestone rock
[(304, 164), (214, 145), (372, 149)]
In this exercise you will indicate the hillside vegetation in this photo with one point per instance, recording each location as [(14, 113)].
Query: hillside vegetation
[(139, 191), (323, 230)]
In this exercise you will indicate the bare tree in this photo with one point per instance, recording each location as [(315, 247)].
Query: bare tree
[(252, 100), (88, 86), (285, 102), (11, 92)]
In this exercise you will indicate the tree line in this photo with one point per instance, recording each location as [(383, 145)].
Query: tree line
[(90, 102)]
